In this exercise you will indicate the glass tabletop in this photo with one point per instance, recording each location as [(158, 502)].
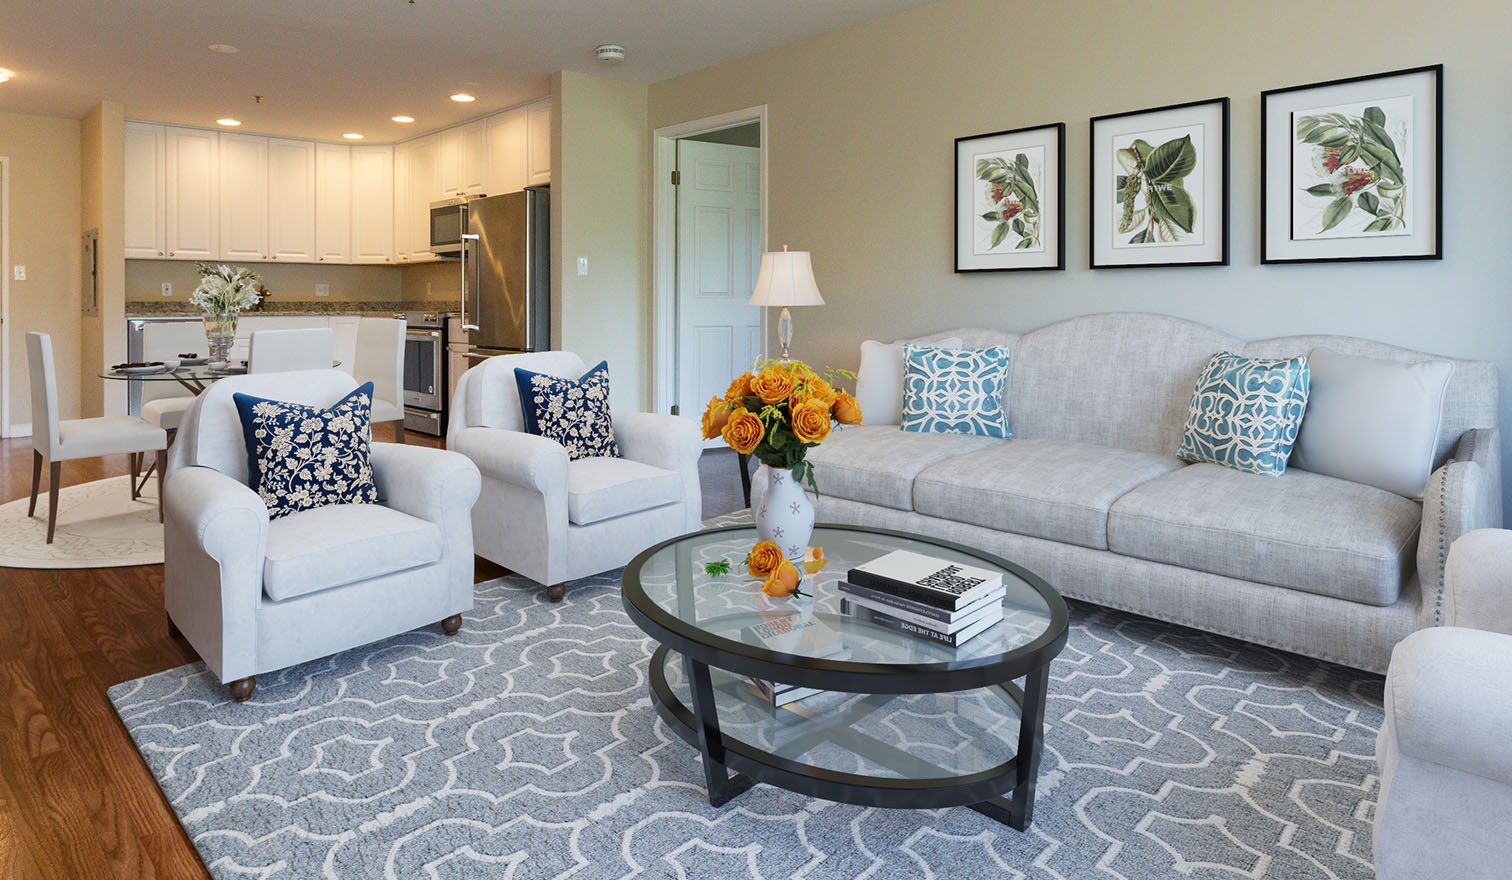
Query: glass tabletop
[(731, 609), (198, 373)]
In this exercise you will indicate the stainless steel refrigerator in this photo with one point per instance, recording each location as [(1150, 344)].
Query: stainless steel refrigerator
[(506, 273)]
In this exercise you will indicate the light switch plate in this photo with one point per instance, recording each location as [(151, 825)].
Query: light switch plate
[(322, 290), (582, 265), (167, 288), (19, 272)]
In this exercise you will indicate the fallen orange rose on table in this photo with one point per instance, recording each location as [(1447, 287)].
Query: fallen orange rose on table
[(813, 560), (783, 581), (763, 559)]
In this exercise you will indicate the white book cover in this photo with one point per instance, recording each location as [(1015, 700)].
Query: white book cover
[(964, 583), (980, 611)]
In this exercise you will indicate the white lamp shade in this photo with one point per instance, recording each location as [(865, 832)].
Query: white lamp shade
[(787, 279)]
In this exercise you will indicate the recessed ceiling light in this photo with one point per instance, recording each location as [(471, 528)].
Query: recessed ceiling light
[(5, 75), (403, 118), (352, 136), (463, 98), (228, 121), (223, 48)]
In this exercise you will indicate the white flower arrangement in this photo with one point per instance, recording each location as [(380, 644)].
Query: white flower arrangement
[(224, 289)]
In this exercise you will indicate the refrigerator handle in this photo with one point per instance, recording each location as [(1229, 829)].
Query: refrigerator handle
[(530, 340), (466, 237)]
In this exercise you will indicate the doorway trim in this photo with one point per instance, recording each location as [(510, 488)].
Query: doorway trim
[(664, 242), (5, 321)]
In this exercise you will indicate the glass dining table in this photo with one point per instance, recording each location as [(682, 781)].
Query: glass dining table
[(195, 378)]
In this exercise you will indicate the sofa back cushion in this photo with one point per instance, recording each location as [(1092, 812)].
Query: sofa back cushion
[(493, 395), (1116, 379), (1470, 399)]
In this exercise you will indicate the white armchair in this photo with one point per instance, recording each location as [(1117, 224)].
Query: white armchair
[(1445, 751), (554, 520), (253, 596)]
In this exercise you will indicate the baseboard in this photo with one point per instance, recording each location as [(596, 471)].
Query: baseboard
[(19, 430)]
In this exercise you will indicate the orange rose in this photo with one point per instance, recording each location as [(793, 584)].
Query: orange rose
[(772, 385), (714, 417), (813, 559), (739, 389), (823, 391), (743, 431), (764, 559), (783, 581), (847, 410), (811, 421)]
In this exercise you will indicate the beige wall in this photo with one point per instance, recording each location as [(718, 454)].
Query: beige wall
[(288, 282), (440, 282), (103, 189), (861, 123), (43, 154), (600, 195)]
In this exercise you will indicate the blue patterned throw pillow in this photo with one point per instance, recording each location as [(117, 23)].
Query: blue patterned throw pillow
[(302, 457), (574, 413), (956, 390), (1245, 413)]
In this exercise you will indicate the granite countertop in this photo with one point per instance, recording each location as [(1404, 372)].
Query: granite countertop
[(151, 309)]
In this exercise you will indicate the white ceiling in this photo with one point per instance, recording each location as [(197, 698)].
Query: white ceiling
[(325, 67)]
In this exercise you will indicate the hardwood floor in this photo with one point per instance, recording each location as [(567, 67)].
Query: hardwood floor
[(76, 800)]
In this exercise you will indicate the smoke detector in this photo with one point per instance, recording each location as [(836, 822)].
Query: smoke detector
[(609, 53)]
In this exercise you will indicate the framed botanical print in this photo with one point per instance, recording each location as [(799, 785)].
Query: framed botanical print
[(1010, 189), (1160, 190), (1352, 170)]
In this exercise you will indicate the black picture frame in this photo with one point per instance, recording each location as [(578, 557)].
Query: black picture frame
[(1057, 225), (1097, 191), (1268, 246)]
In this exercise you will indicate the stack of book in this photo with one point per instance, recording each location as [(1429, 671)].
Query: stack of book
[(930, 598), (794, 634)]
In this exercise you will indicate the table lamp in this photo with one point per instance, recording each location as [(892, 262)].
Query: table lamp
[(786, 279)]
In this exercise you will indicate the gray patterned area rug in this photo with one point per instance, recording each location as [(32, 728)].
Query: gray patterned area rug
[(527, 747)]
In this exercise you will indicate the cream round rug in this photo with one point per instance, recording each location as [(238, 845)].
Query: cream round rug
[(99, 526)]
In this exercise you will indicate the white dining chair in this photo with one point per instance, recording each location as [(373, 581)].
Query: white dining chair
[(163, 403), (281, 351), (58, 440), (380, 360)]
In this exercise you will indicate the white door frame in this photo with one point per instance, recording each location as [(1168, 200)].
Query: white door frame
[(664, 241), (5, 273)]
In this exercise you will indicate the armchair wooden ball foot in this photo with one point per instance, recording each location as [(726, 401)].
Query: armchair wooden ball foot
[(555, 592), (242, 688), (451, 624)]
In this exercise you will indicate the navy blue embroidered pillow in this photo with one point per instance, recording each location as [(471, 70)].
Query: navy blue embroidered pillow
[(302, 457), (573, 413)]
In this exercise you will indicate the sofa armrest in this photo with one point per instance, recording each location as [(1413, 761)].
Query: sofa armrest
[(225, 518), (665, 441), (422, 482), (1478, 581), (1461, 496), (525, 460), (1446, 700)]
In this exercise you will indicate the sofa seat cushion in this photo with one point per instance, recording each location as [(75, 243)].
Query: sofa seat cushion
[(1053, 489), (326, 547), (877, 465), (1298, 530), (603, 488)]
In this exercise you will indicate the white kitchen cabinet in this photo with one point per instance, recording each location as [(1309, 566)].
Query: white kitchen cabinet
[(506, 137), (191, 195), (538, 142), (372, 205), (402, 204), (146, 233), (424, 187), (462, 159), (333, 203), (243, 197), (291, 200)]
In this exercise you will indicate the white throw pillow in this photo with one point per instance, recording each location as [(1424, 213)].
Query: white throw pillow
[(1372, 421), (879, 381)]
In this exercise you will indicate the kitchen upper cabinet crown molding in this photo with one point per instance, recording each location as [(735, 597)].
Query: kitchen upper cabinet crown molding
[(191, 193)]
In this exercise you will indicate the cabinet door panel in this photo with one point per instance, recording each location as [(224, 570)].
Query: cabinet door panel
[(192, 215), (243, 197), (425, 187), (538, 142), (506, 152), (402, 204), (146, 213), (372, 204), (333, 203), (291, 200)]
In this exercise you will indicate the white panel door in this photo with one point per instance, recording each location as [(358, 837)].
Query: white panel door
[(372, 204), (425, 187), (243, 197), (718, 252), (333, 203), (402, 204), (538, 142), (291, 200), (506, 171), (462, 165), (146, 214), (192, 214)]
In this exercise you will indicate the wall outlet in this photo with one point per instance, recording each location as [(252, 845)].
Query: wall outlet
[(322, 290), (19, 272), (167, 288), (582, 265)]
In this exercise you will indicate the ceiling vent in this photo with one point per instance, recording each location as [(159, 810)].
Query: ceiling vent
[(609, 53)]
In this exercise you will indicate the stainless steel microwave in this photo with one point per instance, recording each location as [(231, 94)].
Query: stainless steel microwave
[(448, 220)]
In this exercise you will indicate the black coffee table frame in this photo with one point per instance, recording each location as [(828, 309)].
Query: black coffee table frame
[(927, 786)]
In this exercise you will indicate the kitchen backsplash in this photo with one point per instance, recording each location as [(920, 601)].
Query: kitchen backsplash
[(293, 285)]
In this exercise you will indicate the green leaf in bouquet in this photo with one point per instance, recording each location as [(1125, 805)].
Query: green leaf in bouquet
[(1336, 211)]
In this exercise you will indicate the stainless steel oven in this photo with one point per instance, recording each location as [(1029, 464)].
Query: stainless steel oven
[(425, 373), (448, 220)]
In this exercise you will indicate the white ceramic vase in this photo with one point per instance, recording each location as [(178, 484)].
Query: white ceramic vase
[(786, 515)]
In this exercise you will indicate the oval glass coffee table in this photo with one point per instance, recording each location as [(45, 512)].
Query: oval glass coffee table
[(901, 722)]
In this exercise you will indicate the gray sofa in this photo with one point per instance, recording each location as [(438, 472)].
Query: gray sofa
[(1090, 495)]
